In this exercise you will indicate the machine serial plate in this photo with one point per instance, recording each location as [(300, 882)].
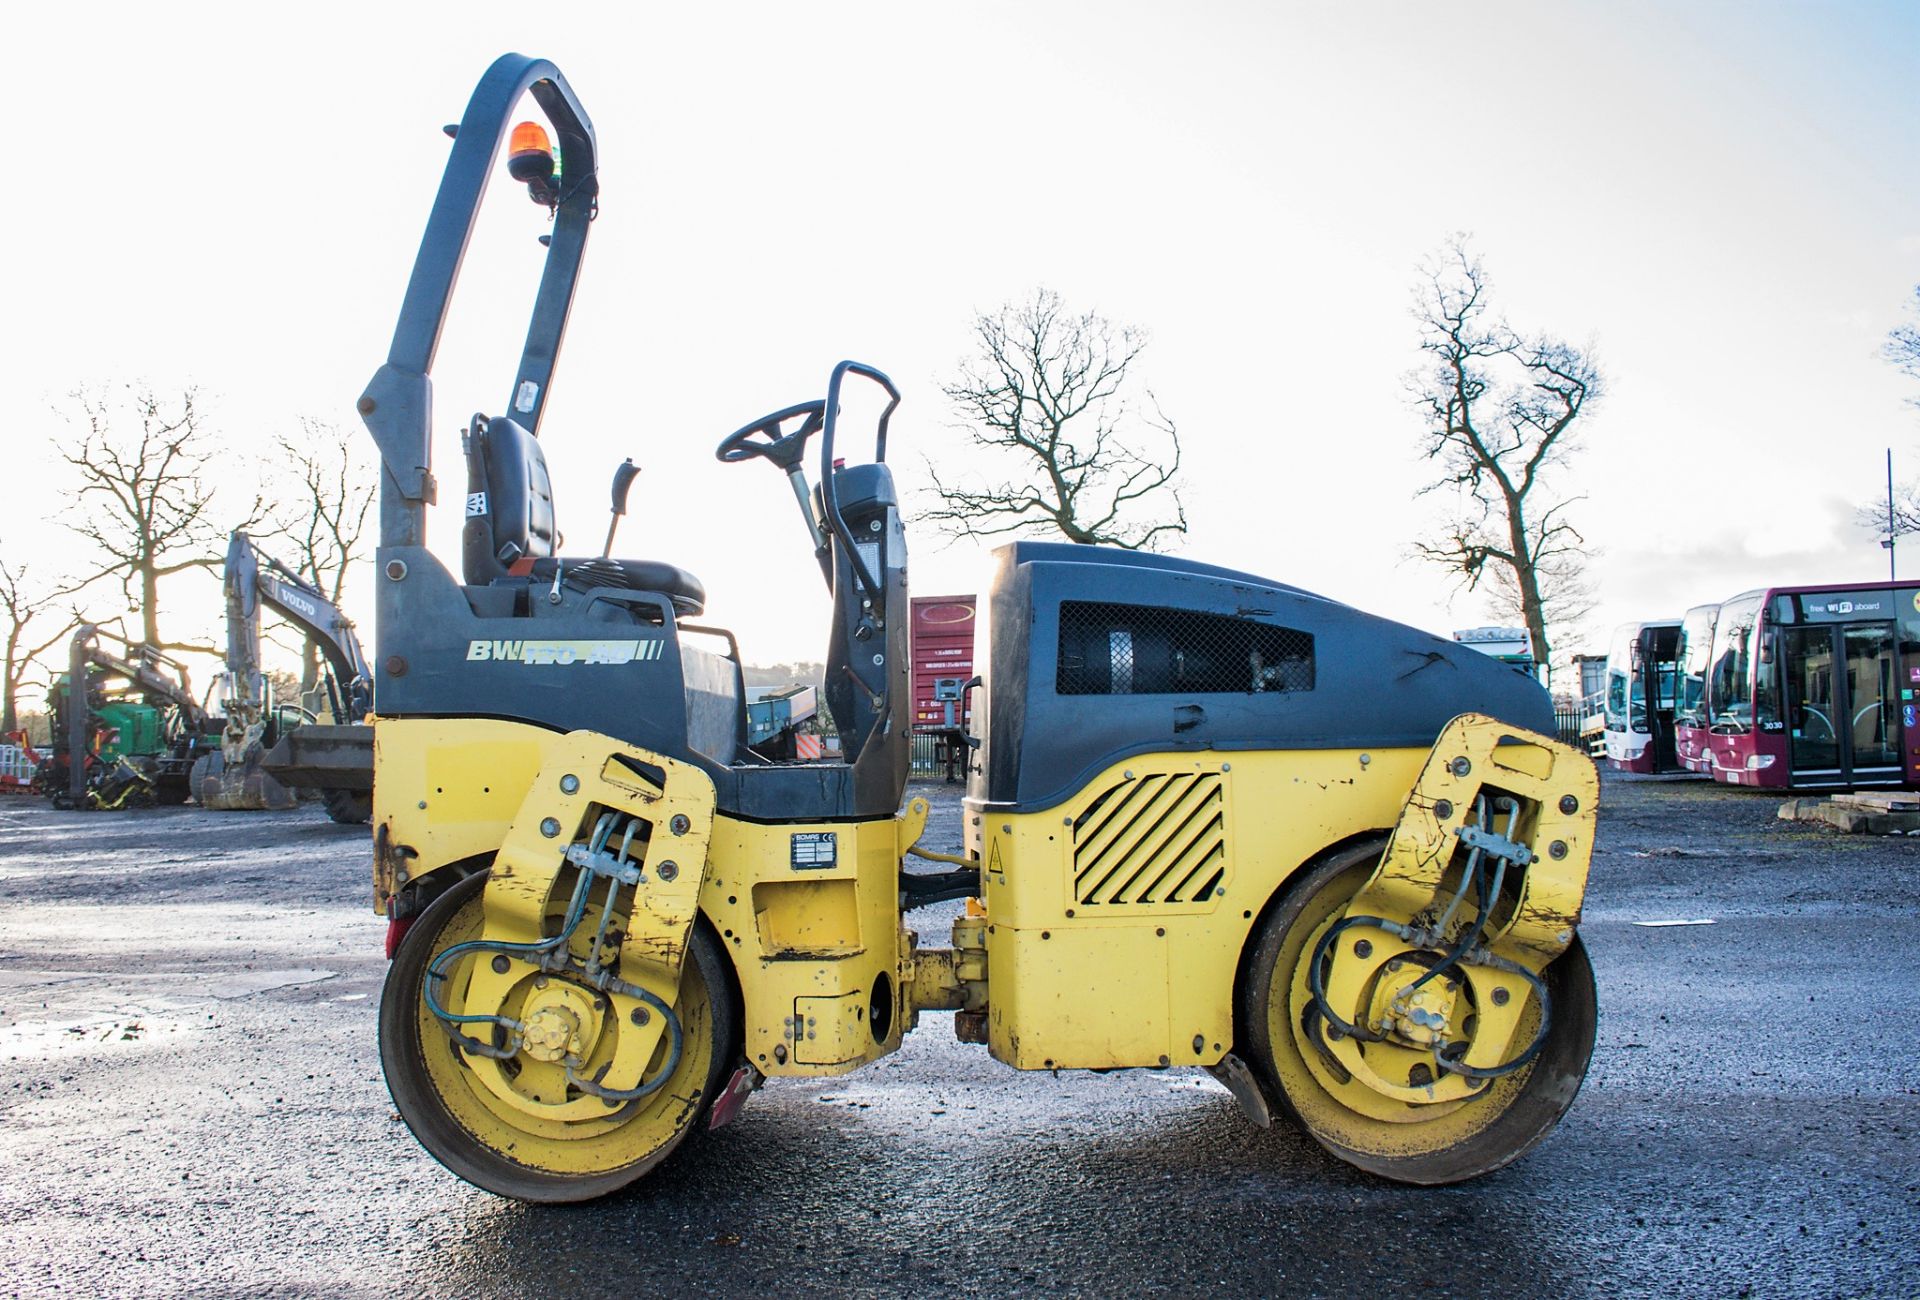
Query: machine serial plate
[(814, 850)]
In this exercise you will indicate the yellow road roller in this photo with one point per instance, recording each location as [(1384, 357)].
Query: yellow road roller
[(1212, 820)]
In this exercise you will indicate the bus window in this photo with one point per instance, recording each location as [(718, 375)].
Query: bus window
[(1623, 680), (1766, 681), (1730, 684), (1695, 659)]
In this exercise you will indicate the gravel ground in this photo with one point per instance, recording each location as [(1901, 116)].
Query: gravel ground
[(192, 1105)]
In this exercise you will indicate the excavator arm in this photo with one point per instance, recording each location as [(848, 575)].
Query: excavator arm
[(261, 764), (254, 579)]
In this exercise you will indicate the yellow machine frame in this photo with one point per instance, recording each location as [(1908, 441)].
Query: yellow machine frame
[(1114, 924)]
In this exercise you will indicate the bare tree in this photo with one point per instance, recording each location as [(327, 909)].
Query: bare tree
[(1500, 409), (1903, 342), (322, 515), (145, 500), (1902, 348), (1069, 448), (24, 603)]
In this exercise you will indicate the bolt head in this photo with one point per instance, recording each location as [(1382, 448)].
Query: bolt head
[(1501, 997), (1569, 804), (1557, 850), (500, 964), (1460, 766), (549, 827), (1363, 948), (569, 784), (669, 870), (1443, 809), (639, 1016), (396, 570)]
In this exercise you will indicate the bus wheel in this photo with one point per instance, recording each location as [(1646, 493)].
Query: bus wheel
[(496, 1136), (1464, 1132)]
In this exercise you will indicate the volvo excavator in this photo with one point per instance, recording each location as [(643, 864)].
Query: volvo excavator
[(269, 750), (1213, 821)]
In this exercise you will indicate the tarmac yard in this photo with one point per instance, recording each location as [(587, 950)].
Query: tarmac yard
[(192, 1104)]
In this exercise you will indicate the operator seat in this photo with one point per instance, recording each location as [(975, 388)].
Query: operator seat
[(510, 531)]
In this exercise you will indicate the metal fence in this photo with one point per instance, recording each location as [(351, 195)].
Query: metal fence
[(16, 767)]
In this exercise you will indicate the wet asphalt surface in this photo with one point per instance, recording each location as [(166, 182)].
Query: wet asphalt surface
[(190, 1103)]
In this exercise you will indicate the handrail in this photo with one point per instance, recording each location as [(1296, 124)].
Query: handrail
[(397, 405), (829, 495)]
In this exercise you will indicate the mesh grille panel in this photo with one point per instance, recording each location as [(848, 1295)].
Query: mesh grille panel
[(1108, 649), (1160, 839)]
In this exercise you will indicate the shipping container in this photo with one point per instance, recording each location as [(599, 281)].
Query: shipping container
[(941, 650)]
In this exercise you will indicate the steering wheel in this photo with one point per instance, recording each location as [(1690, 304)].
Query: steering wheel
[(764, 436)]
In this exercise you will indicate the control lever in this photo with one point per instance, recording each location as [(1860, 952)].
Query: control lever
[(623, 478)]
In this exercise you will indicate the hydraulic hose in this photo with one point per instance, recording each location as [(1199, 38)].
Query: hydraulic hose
[(676, 1043), (576, 909), (1447, 1056), (594, 974), (1462, 951), (1316, 982), (1489, 894), (436, 971)]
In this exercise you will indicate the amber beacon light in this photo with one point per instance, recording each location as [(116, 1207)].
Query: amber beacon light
[(530, 160)]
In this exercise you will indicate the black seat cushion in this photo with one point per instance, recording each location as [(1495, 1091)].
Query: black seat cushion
[(688, 593)]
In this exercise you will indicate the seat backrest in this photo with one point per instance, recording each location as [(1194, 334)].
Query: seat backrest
[(509, 500)]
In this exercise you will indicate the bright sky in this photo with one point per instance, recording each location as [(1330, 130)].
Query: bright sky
[(1723, 197)]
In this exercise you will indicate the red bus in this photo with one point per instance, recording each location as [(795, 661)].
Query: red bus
[(1814, 687), (1639, 704), (1694, 654)]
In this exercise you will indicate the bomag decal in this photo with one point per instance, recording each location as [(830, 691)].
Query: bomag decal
[(563, 652)]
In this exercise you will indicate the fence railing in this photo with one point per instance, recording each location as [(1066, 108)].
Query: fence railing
[(16, 768)]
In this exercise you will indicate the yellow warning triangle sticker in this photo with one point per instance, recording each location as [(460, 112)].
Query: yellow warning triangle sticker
[(993, 857)]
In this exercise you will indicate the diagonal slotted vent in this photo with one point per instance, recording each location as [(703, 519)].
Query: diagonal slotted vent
[(1160, 839)]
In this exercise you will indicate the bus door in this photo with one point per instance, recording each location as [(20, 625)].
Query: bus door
[(1658, 655), (1843, 704)]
